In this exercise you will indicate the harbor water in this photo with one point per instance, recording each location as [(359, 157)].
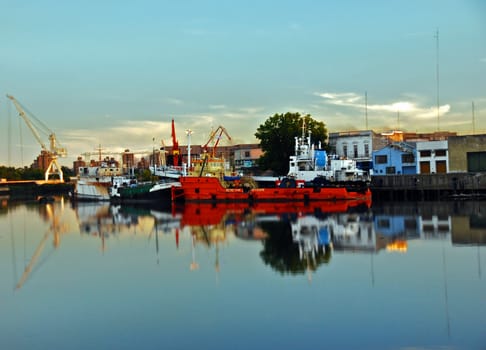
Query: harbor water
[(407, 275)]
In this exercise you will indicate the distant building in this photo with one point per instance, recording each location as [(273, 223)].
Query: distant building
[(395, 158), (467, 153), (357, 145), (245, 158), (42, 161), (432, 157)]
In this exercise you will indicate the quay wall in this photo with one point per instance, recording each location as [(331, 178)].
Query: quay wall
[(429, 186)]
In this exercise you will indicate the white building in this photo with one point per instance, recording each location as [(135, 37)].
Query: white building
[(432, 157), (357, 145)]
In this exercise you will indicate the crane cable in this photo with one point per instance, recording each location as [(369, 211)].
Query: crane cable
[(9, 134), (21, 144)]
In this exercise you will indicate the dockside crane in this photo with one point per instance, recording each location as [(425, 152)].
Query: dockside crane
[(214, 138), (54, 151), (175, 146)]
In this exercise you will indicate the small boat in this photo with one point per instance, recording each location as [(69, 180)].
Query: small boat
[(143, 192)]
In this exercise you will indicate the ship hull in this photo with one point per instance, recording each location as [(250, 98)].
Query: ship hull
[(91, 191), (160, 193), (210, 189)]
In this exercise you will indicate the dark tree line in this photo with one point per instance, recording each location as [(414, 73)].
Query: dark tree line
[(27, 173)]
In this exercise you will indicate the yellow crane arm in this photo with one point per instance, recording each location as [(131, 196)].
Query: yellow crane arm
[(27, 121)]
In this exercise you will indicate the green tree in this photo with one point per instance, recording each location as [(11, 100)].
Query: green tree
[(277, 139)]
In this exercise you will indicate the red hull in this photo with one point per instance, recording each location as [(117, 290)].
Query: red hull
[(209, 189)]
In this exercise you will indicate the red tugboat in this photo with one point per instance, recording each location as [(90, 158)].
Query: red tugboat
[(312, 177)]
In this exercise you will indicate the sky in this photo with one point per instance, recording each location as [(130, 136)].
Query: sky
[(115, 73)]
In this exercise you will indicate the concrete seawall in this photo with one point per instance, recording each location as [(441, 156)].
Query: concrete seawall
[(429, 186)]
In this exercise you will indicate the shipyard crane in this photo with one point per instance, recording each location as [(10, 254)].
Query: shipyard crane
[(215, 137), (175, 147), (54, 151)]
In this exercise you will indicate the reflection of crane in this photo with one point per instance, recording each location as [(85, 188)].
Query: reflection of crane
[(54, 149), (56, 228), (214, 138)]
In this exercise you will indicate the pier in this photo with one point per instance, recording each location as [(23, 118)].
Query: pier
[(32, 188), (429, 186)]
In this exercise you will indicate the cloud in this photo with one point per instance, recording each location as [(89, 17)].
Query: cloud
[(356, 101), (218, 107), (173, 101)]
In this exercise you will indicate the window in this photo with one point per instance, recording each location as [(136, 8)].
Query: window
[(408, 158), (247, 154), (367, 150), (440, 152), (390, 170), (355, 151), (425, 153), (345, 150), (381, 159)]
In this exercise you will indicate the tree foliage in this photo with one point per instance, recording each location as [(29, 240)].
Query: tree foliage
[(277, 139), (25, 173)]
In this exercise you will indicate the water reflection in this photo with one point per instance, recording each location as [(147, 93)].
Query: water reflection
[(165, 267), (294, 239)]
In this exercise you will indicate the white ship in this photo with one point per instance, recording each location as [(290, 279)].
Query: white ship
[(93, 182)]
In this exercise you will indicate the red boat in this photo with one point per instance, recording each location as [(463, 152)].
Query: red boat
[(210, 189)]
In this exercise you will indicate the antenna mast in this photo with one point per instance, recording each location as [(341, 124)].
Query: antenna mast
[(473, 119), (366, 109), (437, 75)]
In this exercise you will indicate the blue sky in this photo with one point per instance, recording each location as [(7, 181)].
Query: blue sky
[(116, 72)]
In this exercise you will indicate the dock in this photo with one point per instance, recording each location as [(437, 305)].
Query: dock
[(429, 186), (32, 188)]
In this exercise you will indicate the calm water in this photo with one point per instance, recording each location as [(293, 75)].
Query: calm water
[(396, 276)]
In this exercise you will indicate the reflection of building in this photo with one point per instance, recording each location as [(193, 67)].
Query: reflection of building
[(434, 226), (397, 225), (311, 234), (469, 230), (354, 232)]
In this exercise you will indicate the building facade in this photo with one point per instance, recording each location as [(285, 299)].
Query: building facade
[(395, 159), (432, 157), (467, 153), (357, 145)]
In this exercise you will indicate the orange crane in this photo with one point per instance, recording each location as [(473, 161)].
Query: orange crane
[(214, 138), (54, 149)]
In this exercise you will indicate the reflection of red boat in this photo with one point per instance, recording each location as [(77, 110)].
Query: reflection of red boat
[(210, 189), (201, 214)]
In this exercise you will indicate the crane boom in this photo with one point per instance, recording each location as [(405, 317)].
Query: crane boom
[(53, 151), (27, 121), (216, 134)]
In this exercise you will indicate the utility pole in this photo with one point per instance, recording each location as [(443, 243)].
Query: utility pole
[(366, 109), (473, 119), (437, 76)]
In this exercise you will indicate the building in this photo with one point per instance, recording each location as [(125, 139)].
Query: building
[(245, 158), (357, 145), (395, 159), (467, 153), (432, 157)]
